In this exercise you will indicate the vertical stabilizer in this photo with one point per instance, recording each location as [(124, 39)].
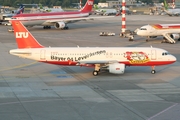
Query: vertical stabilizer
[(96, 7), (21, 9), (23, 37), (165, 5), (88, 6)]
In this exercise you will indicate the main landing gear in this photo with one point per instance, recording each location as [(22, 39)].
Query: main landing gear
[(95, 73), (153, 70), (97, 69), (47, 27), (65, 28)]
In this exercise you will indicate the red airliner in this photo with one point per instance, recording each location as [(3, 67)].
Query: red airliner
[(57, 19)]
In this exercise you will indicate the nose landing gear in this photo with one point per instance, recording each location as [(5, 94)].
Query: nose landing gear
[(153, 71)]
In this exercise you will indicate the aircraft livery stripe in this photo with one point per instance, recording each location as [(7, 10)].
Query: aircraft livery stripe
[(167, 26)]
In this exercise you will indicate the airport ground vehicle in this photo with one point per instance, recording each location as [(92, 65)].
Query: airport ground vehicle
[(106, 34)]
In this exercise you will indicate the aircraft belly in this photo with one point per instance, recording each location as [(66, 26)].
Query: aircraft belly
[(33, 23), (127, 63)]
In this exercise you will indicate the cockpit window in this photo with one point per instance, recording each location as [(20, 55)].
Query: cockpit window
[(165, 53), (143, 29)]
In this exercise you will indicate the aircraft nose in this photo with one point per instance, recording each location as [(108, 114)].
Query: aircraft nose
[(173, 58), (138, 32)]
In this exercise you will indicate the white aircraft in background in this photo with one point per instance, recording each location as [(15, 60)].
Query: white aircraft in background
[(171, 32), (169, 11), (115, 59), (104, 11), (46, 9), (173, 12)]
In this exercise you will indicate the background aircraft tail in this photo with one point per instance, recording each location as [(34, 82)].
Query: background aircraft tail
[(88, 6), (24, 38), (96, 7), (165, 5), (21, 9)]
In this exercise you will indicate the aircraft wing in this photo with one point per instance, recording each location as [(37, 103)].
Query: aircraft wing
[(173, 12), (176, 13), (78, 19)]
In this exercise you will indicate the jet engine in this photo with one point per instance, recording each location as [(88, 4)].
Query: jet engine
[(116, 68), (59, 25), (175, 36)]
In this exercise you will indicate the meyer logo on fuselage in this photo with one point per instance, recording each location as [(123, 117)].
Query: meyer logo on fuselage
[(21, 34)]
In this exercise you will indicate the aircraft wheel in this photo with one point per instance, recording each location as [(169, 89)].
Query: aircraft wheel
[(95, 73), (153, 71), (121, 35), (131, 38), (46, 27)]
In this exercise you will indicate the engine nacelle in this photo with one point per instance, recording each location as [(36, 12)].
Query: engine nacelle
[(116, 68), (59, 25), (175, 36)]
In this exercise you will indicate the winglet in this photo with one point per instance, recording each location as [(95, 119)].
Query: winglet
[(24, 38), (88, 6)]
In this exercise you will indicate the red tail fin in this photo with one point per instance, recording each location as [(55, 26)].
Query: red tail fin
[(88, 6), (23, 37)]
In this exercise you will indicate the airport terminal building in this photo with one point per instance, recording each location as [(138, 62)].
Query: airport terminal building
[(112, 4)]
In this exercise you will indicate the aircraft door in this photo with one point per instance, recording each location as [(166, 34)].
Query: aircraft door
[(152, 30), (43, 55), (153, 54)]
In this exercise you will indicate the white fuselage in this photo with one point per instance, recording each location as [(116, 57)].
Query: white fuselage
[(130, 56), (47, 19), (149, 30), (175, 12)]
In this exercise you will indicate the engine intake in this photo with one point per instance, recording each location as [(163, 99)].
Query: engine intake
[(59, 25), (175, 36)]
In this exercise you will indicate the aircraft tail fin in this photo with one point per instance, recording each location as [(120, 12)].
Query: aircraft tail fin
[(40, 6), (21, 9), (24, 38), (96, 6), (88, 6), (165, 5)]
